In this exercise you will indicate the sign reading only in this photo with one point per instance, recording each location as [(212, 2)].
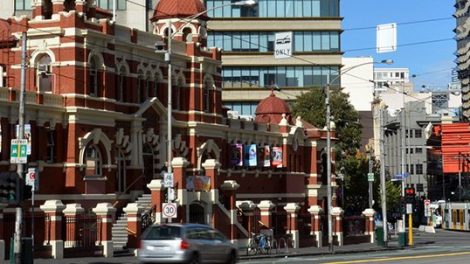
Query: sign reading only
[(283, 45)]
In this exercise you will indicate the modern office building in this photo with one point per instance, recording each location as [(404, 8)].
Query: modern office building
[(463, 51), (247, 35), (392, 80)]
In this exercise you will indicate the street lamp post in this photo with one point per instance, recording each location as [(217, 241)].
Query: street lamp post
[(328, 148), (169, 81)]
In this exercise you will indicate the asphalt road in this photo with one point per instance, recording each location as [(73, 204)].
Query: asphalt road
[(441, 247)]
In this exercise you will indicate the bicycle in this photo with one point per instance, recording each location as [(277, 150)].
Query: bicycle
[(260, 244)]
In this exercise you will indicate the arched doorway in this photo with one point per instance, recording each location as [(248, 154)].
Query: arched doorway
[(197, 214)]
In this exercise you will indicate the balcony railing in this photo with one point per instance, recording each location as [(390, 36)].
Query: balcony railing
[(31, 98)]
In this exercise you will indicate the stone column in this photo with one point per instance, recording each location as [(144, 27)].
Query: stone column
[(156, 189), (229, 187), (2, 239), (53, 211), (369, 228), (316, 212), (57, 6), (179, 177), (292, 209), (247, 209), (134, 228), (337, 214), (72, 214), (265, 207), (211, 166), (104, 217)]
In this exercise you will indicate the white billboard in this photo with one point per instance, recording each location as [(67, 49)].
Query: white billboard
[(386, 38)]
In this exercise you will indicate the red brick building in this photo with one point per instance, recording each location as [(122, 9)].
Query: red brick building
[(96, 97)]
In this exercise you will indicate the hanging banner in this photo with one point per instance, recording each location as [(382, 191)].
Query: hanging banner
[(198, 183), (277, 157), (251, 158), (236, 155), (267, 156)]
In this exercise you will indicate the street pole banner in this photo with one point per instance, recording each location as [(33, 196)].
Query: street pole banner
[(283, 45)]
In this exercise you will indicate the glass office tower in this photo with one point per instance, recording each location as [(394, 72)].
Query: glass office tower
[(247, 34)]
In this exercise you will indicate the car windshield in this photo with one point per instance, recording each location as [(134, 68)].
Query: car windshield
[(163, 233)]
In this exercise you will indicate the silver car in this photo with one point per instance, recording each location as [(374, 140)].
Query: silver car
[(185, 243)]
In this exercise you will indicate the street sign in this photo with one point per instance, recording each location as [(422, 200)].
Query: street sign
[(32, 179), (370, 177), (409, 208), (169, 210), (399, 177), (283, 45), (171, 194), (18, 151), (427, 211), (168, 180)]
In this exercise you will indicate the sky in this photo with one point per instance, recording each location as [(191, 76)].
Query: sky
[(432, 61)]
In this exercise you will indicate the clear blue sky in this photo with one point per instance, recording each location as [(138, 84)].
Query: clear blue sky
[(431, 62)]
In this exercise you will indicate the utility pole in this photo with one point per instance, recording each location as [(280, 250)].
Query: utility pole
[(19, 166), (328, 162), (382, 177), (169, 109), (371, 193), (403, 157)]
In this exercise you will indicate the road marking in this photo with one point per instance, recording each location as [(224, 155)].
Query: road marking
[(400, 258)]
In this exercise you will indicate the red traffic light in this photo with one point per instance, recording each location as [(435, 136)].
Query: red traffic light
[(410, 191)]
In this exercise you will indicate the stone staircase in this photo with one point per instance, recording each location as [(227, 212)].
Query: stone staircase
[(119, 230)]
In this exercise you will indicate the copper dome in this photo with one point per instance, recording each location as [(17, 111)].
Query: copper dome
[(178, 9), (271, 109)]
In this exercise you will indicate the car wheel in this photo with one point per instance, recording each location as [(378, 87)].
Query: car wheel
[(232, 258), (194, 259)]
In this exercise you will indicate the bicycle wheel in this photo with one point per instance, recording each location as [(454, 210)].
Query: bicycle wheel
[(252, 248)]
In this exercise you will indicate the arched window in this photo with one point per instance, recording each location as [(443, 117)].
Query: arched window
[(44, 73), (140, 86), (146, 88), (93, 77), (155, 85), (121, 82), (148, 158), (187, 34), (93, 161), (206, 96), (120, 171), (47, 9)]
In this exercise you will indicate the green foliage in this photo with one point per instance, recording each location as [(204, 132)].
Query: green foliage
[(311, 107), (356, 186), (393, 196)]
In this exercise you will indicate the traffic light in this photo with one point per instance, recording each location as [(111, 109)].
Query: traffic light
[(3, 190), (409, 195), (27, 192), (11, 187)]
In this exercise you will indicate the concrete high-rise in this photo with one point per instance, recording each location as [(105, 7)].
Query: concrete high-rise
[(463, 51)]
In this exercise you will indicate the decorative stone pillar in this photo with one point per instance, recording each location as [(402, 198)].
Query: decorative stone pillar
[(72, 215), (104, 217), (2, 239), (57, 6), (265, 207), (134, 228), (53, 211), (156, 188), (229, 187), (179, 165), (292, 209), (247, 208), (369, 225), (337, 214), (211, 166), (316, 212)]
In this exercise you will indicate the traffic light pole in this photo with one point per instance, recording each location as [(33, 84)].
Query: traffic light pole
[(19, 167)]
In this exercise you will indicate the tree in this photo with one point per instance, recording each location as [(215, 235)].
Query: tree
[(356, 186), (311, 107)]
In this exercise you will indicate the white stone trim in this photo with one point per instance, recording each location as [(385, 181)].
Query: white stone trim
[(270, 195)]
